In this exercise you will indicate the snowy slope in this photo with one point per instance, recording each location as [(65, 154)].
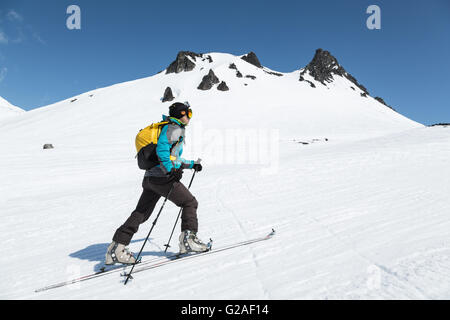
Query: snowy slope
[(8, 110), (362, 215)]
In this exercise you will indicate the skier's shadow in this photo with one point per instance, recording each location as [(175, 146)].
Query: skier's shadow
[(96, 252)]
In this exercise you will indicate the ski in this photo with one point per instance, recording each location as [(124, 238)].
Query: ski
[(174, 257), (183, 257), (152, 263), (102, 272)]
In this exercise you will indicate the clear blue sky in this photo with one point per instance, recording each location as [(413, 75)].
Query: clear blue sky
[(406, 62)]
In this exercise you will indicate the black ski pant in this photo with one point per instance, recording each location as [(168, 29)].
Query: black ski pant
[(152, 192)]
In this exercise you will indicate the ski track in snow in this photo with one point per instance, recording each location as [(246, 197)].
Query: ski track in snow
[(221, 203), (369, 260)]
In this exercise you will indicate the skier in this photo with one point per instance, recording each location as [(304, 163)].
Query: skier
[(157, 183)]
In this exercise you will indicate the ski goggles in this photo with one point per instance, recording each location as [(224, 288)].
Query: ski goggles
[(187, 113)]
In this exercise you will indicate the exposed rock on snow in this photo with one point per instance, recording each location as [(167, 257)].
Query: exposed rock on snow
[(310, 82), (324, 66), (380, 100), (250, 77), (183, 62), (209, 58), (440, 124), (168, 96), (310, 141), (273, 73), (208, 81), (223, 86), (48, 146), (252, 58), (238, 73)]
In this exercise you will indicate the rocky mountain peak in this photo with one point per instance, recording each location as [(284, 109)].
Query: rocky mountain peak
[(182, 62), (324, 66), (252, 59)]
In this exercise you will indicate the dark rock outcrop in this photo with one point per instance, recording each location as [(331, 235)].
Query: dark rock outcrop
[(323, 67), (252, 58), (209, 58), (168, 96), (273, 73), (380, 100), (250, 77), (223, 86), (208, 81), (182, 62), (48, 146), (310, 83), (238, 73), (440, 125)]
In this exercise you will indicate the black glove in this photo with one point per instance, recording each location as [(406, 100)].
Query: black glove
[(175, 174), (197, 167)]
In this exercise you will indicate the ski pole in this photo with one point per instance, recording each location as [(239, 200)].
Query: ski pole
[(167, 245), (153, 225)]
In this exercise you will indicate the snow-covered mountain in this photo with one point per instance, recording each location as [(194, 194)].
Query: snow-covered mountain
[(7, 109), (356, 192), (318, 101)]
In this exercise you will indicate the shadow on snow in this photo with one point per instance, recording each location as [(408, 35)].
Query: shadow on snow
[(96, 252)]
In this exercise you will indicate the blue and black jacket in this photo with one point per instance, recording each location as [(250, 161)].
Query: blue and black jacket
[(169, 149)]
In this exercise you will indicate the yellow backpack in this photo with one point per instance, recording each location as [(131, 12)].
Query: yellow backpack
[(146, 142)]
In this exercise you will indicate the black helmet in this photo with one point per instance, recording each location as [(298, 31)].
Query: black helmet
[(179, 110)]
